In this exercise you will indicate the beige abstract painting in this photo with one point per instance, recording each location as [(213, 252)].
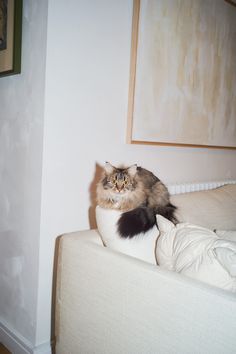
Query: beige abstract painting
[(183, 73)]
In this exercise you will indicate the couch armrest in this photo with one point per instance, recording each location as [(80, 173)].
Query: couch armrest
[(84, 235), (110, 303)]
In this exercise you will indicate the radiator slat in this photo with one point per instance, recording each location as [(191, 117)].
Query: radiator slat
[(194, 187)]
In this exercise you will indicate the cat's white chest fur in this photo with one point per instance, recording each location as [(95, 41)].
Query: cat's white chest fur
[(116, 200)]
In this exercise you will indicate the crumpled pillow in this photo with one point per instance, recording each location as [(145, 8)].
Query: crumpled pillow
[(141, 246), (229, 235), (196, 252)]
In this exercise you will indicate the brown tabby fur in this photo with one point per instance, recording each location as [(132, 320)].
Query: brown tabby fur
[(138, 193), (136, 186)]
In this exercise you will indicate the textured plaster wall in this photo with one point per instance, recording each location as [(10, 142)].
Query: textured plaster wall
[(21, 139)]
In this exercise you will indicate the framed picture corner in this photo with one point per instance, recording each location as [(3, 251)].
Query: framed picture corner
[(10, 36)]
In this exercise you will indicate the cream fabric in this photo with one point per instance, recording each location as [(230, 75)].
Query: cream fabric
[(196, 252), (213, 209), (141, 246), (109, 303), (227, 235)]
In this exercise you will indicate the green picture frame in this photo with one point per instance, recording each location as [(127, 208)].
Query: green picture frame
[(10, 36)]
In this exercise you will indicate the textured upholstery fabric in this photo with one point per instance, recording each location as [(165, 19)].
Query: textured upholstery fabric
[(110, 303), (214, 209)]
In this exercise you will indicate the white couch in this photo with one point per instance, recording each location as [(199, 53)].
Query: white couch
[(111, 303)]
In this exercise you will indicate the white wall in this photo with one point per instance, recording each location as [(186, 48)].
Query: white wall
[(21, 140), (87, 74), (88, 56)]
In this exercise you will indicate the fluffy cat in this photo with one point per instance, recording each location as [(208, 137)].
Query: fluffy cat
[(138, 193)]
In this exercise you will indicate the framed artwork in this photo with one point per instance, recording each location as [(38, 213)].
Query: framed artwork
[(183, 73), (10, 36)]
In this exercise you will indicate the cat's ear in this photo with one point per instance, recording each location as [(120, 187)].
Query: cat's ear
[(132, 170), (108, 168)]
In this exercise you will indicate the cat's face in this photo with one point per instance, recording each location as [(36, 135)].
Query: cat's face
[(119, 180)]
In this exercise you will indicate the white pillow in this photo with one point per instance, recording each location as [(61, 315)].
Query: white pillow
[(196, 252), (141, 246), (226, 234)]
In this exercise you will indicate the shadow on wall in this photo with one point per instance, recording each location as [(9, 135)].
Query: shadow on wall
[(92, 193), (55, 283)]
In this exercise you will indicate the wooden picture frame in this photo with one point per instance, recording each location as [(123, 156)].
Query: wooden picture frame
[(10, 36), (203, 82)]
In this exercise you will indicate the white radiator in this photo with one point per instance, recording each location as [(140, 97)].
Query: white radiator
[(194, 187)]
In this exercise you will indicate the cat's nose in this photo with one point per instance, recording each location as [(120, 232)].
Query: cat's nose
[(119, 188)]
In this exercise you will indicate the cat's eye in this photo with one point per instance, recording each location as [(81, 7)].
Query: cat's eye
[(111, 181)]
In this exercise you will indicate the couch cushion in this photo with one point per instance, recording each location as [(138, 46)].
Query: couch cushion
[(213, 209), (141, 246)]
